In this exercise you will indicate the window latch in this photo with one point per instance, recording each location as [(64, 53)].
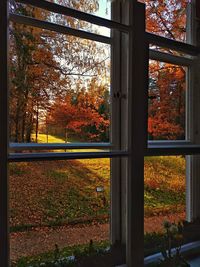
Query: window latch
[(119, 95)]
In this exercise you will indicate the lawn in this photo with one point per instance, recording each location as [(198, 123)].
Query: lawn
[(62, 192), (164, 184), (42, 138)]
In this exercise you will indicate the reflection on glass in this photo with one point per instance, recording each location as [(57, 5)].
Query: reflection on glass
[(62, 202), (59, 87), (167, 93), (164, 197)]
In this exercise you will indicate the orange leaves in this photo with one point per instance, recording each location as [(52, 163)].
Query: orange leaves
[(167, 107), (166, 18), (164, 129), (80, 113)]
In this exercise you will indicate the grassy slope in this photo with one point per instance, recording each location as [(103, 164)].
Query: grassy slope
[(42, 138), (61, 191), (164, 184)]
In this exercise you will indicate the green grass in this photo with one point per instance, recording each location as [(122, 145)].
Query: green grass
[(78, 200), (17, 168), (52, 256), (157, 198), (42, 138), (53, 193), (164, 184), (57, 175)]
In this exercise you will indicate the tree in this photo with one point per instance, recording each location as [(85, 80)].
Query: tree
[(83, 113), (167, 18), (29, 76), (44, 65), (167, 106), (48, 68), (166, 81)]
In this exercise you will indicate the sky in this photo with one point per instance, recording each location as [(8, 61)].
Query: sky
[(104, 12), (104, 9)]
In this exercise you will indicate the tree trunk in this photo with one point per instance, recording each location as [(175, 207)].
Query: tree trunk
[(17, 120), (23, 126), (37, 125), (29, 128)]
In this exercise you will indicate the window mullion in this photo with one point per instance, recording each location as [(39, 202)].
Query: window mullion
[(172, 44), (60, 9), (169, 58), (58, 28), (137, 135), (116, 210)]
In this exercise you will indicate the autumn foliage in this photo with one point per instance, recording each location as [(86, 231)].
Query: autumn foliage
[(60, 84), (167, 101), (84, 113), (167, 82)]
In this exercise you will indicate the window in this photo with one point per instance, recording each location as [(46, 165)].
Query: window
[(48, 82), (174, 58), (120, 56)]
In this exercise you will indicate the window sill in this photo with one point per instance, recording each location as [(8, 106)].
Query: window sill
[(189, 250)]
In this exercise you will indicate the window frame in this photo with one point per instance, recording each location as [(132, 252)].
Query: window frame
[(136, 139), (113, 152), (187, 146)]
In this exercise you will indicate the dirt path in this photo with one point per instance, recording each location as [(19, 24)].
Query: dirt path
[(44, 239)]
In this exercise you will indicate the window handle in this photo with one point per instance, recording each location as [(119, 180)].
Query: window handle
[(119, 95)]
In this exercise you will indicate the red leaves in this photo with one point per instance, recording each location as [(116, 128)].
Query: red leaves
[(167, 18), (167, 108), (81, 117)]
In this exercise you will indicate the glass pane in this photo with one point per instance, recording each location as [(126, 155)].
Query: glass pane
[(167, 18), (57, 208), (164, 198), (44, 15), (167, 95), (59, 87)]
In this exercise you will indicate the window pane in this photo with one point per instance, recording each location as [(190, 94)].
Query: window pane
[(164, 197), (66, 203), (167, 18), (44, 15), (59, 87), (101, 8), (167, 94)]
